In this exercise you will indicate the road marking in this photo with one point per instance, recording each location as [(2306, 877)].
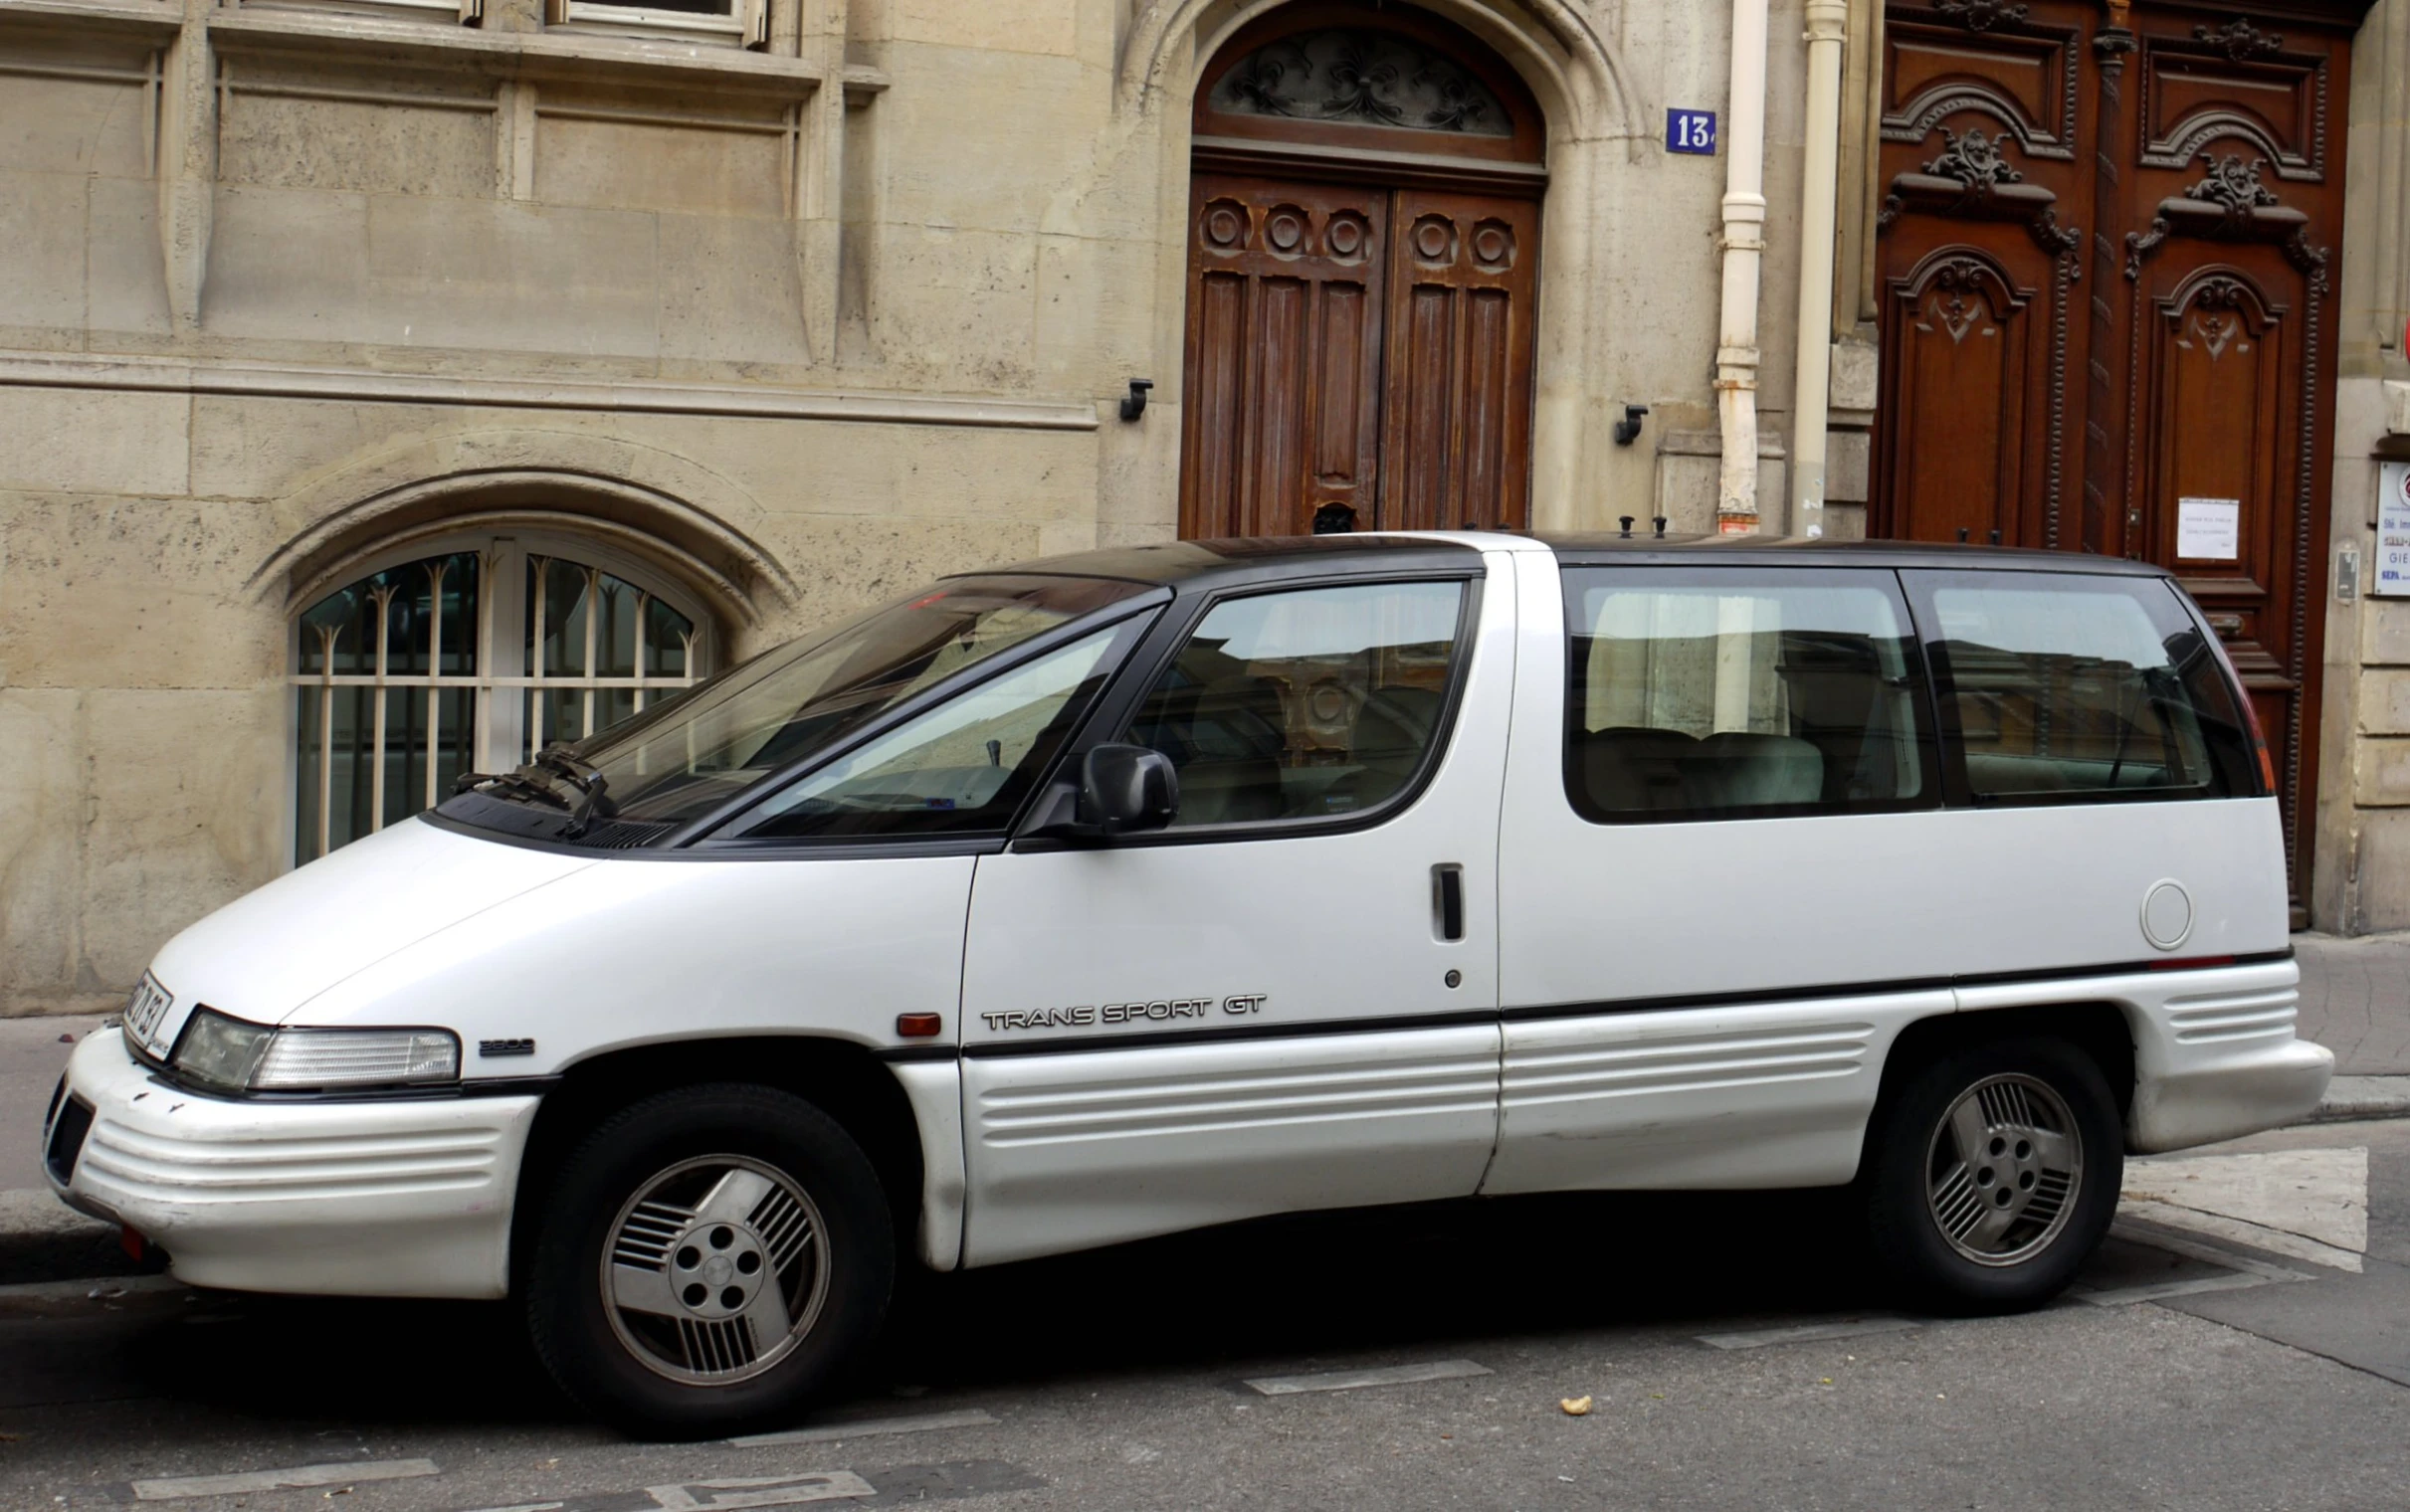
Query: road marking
[(763, 1491), (901, 1484), (2245, 1270), (833, 1432), (1810, 1332), (1349, 1381), (176, 1487), (2309, 1205), (2126, 1295)]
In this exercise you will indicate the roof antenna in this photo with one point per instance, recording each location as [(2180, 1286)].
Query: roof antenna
[(1627, 525)]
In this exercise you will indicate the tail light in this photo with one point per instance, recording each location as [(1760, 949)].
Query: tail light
[(2251, 715)]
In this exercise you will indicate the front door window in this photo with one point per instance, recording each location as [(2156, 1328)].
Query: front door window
[(1304, 705)]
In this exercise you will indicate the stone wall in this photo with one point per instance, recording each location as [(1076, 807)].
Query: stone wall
[(809, 320), (2363, 812)]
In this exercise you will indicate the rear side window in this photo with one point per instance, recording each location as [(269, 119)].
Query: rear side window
[(1734, 693), (2079, 690)]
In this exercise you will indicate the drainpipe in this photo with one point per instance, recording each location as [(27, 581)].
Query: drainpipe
[(1744, 246), (1827, 23)]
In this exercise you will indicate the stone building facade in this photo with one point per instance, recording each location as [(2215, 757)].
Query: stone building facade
[(388, 386), (709, 321), (2362, 884)]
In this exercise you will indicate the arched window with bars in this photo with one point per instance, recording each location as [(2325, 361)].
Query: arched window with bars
[(471, 656)]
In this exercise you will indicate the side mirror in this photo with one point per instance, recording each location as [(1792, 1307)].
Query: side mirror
[(1125, 789)]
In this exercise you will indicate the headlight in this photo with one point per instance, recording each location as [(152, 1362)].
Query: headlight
[(254, 1058)]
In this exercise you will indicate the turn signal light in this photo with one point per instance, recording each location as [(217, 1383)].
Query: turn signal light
[(918, 1026)]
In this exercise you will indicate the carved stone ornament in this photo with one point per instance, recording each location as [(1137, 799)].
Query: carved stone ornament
[(1981, 15), (1342, 74), (2240, 40)]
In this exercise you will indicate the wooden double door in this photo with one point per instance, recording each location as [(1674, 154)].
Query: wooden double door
[(2106, 289), (1359, 357)]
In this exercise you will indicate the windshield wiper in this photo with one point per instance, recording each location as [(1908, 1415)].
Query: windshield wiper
[(593, 798), (509, 782)]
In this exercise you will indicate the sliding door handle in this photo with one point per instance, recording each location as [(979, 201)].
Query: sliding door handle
[(1448, 900)]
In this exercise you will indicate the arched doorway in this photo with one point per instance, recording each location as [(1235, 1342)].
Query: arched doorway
[(1363, 249)]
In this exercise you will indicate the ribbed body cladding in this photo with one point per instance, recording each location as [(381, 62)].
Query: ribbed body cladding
[(2214, 1049), (1085, 1149), (401, 1197), (1770, 1095)]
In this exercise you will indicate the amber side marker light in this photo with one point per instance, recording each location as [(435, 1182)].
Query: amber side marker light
[(918, 1026), (2192, 962)]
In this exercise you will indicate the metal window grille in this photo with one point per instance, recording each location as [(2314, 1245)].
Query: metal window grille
[(413, 675)]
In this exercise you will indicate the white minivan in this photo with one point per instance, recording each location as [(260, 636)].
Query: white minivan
[(1143, 889)]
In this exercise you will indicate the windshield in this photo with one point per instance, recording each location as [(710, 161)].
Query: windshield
[(690, 755)]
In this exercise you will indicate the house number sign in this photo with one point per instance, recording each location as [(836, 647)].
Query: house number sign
[(1690, 131)]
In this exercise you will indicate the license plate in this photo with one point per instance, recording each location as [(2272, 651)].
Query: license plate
[(144, 1013)]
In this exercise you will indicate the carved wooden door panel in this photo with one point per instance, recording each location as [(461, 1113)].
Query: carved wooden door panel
[(2172, 411), (1980, 159), (1284, 327), (1341, 377), (1964, 352), (1458, 408), (2234, 195)]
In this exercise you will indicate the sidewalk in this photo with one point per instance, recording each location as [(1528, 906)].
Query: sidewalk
[(2355, 1001)]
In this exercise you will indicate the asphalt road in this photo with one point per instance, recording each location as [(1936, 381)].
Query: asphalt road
[(2243, 1342)]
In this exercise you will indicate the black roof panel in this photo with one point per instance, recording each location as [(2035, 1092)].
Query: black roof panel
[(1177, 562), (1607, 546), (1272, 558)]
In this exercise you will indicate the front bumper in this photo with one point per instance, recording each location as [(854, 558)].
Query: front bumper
[(402, 1198)]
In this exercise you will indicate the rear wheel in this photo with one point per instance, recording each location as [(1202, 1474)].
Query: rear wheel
[(1994, 1175), (708, 1260)]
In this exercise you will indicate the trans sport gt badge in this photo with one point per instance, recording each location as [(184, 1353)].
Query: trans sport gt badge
[(1090, 1015)]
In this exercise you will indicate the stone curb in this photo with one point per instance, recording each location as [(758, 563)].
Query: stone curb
[(2357, 1098)]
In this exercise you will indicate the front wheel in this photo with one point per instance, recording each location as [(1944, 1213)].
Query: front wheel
[(1994, 1175), (707, 1260)]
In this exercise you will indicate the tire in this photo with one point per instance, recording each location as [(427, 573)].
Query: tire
[(2008, 1229), (707, 1260)]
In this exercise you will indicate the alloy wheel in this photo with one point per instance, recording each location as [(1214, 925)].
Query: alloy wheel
[(717, 1269), (2003, 1169)]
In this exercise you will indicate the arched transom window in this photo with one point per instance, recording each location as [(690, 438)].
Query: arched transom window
[(471, 657)]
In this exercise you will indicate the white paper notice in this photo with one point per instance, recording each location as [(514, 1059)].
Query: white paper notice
[(2209, 529), (2391, 577)]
